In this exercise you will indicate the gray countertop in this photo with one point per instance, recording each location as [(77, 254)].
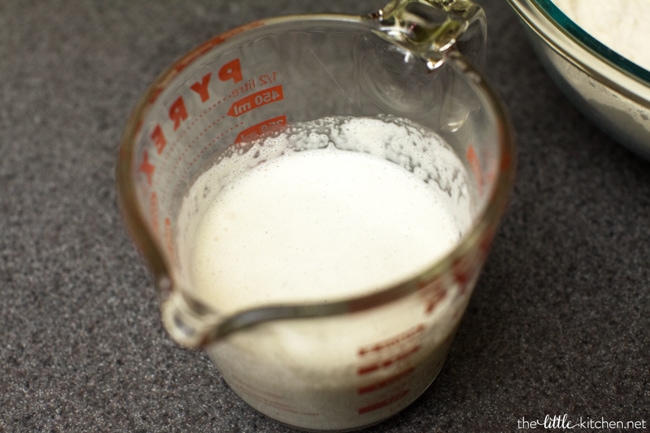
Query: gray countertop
[(559, 323)]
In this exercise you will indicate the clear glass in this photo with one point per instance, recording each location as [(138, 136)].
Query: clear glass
[(611, 91), (401, 62)]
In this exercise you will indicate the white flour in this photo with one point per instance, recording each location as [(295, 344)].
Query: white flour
[(622, 25)]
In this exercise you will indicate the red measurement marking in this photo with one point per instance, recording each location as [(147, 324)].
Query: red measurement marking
[(231, 71), (169, 243), (400, 338), (153, 209), (385, 363), (199, 155), (268, 78), (146, 167), (463, 273), (383, 403), (486, 242), (159, 139), (434, 296), (178, 112), (386, 382), (475, 165), (256, 100), (202, 87), (256, 130)]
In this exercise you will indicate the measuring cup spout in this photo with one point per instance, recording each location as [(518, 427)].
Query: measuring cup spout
[(194, 325), (432, 28)]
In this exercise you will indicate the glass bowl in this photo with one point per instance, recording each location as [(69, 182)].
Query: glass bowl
[(609, 89)]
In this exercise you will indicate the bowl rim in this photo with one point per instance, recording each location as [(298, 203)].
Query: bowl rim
[(583, 51), (565, 23)]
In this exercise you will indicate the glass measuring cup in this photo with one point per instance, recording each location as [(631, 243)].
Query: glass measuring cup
[(351, 361)]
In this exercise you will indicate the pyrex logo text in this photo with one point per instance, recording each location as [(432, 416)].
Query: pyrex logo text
[(178, 111)]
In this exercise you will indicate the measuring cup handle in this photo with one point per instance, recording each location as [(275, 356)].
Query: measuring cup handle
[(433, 28)]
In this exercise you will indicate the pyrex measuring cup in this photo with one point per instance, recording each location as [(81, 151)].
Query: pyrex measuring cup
[(350, 361)]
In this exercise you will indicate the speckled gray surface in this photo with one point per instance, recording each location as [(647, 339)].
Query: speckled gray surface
[(559, 324)]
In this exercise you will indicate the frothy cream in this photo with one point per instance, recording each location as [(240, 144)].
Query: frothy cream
[(318, 225), (341, 218)]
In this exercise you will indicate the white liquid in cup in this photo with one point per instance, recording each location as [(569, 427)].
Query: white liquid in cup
[(323, 211)]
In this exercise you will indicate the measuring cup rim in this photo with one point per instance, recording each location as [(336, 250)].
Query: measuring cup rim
[(143, 236)]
